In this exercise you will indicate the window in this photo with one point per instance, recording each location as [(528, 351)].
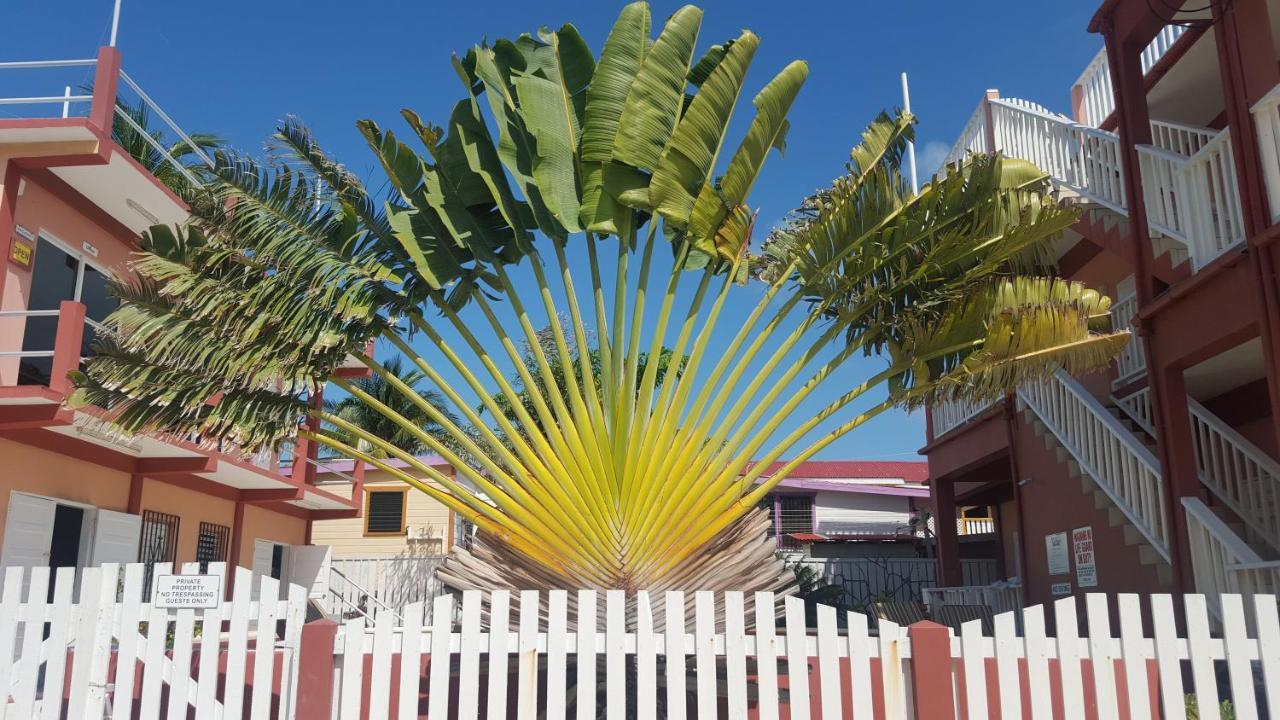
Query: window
[(791, 514), (57, 274), (211, 544), (159, 542), (384, 512)]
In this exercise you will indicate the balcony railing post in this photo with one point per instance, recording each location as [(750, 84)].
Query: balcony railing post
[(67, 345), (106, 81), (990, 126)]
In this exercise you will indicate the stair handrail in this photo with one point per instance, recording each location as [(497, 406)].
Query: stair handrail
[(1122, 466), (368, 594), (1132, 361), (1221, 562), (1231, 490)]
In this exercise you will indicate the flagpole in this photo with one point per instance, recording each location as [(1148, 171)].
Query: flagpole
[(911, 146), (115, 24)]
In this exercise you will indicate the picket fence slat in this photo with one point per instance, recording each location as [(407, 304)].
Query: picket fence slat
[(859, 646), (152, 672), (237, 645), (1135, 657), (766, 648), (586, 618), (527, 668), (1202, 675), (264, 648), (1166, 652), (1100, 655), (294, 615), (1239, 666), (1268, 625), (24, 697), (797, 658), (499, 623), (1036, 652), (735, 651), (441, 628), (380, 672), (1007, 651), (1069, 652), (615, 652), (179, 683), (704, 652), (673, 616), (59, 634), (975, 675), (646, 660), (892, 643)]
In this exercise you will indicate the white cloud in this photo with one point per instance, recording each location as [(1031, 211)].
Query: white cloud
[(929, 158)]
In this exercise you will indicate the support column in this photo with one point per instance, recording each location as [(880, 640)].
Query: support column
[(233, 552), (1178, 467), (931, 671), (946, 540)]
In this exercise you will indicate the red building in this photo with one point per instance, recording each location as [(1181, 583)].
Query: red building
[(1166, 465)]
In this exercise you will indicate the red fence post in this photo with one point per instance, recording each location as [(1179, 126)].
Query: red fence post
[(931, 680), (67, 342), (315, 670)]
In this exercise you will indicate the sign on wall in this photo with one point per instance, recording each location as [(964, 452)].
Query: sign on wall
[(22, 250), (1058, 589), (1086, 567), (188, 592), (1055, 546)]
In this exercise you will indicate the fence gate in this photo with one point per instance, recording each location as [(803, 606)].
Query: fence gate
[(92, 645)]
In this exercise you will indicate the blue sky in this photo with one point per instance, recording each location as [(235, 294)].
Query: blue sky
[(237, 66)]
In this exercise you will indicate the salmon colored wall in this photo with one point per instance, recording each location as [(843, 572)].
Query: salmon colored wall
[(193, 507), (38, 210), (263, 524), (1053, 501), (40, 472)]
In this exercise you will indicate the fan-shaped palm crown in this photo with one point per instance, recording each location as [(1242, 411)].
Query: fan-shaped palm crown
[(603, 476)]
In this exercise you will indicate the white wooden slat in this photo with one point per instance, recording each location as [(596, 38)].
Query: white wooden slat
[(892, 639), (206, 696), (441, 660), (100, 650), (586, 655), (411, 662), (237, 644), (352, 667), (1268, 627), (828, 661), (646, 660), (704, 652), (1203, 678), (152, 664), (557, 655), (469, 657), (1132, 649), (673, 614), (859, 652), (1037, 654), (183, 634), (499, 619), (1165, 632), (59, 636), (767, 655), (380, 667), (264, 648), (28, 666), (975, 668), (1102, 660), (797, 659), (1007, 676), (1239, 648), (10, 600), (615, 649), (735, 652), (527, 657), (294, 618), (1069, 653)]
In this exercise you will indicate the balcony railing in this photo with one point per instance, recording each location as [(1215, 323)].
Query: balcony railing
[(1266, 118), (1098, 97), (109, 96), (948, 416), (1132, 361)]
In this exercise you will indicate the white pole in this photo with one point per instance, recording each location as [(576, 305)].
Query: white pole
[(115, 23), (66, 104), (911, 146)]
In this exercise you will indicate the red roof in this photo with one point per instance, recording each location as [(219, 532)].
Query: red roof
[(912, 471)]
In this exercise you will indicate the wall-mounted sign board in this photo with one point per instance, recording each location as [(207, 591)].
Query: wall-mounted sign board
[(188, 592)]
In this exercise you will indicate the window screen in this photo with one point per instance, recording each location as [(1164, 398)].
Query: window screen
[(211, 545), (385, 512)]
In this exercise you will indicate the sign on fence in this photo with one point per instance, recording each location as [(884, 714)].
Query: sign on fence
[(191, 592)]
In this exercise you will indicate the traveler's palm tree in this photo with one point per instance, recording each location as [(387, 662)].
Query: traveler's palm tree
[(369, 420), (554, 159)]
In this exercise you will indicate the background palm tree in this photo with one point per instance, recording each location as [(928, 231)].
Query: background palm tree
[(369, 420), (612, 480)]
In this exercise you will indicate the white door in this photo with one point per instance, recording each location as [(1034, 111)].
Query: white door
[(115, 538), (263, 557), (309, 567), (28, 531)]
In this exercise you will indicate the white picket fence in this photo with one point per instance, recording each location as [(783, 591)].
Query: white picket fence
[(129, 658), (566, 665)]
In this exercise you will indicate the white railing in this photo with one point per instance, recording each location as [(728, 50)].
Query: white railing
[(1266, 118), (1001, 596), (1098, 101), (1083, 159), (1245, 478), (950, 415), (1221, 562), (975, 526), (70, 105), (1137, 405), (1132, 360), (374, 585), (1165, 180), (1215, 221), (973, 138), (1123, 467)]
